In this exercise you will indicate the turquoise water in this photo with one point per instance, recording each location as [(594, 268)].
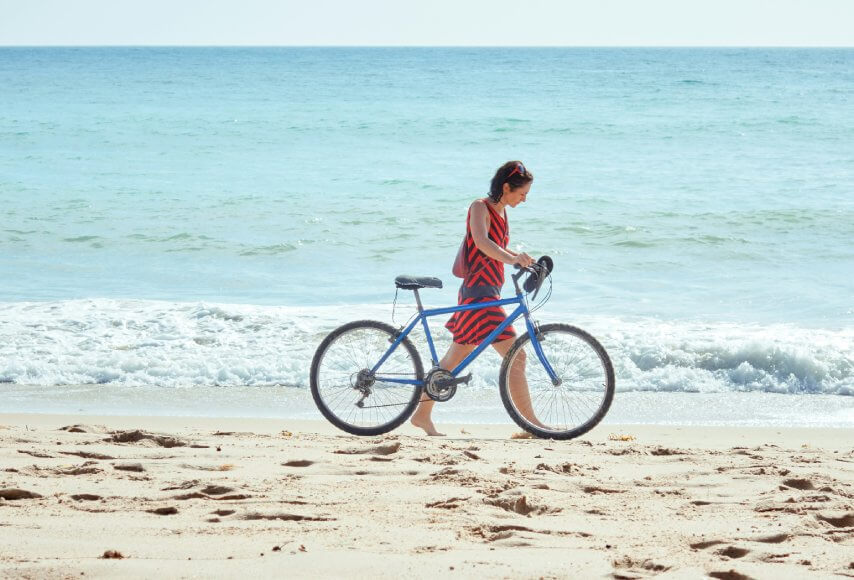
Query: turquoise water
[(181, 217)]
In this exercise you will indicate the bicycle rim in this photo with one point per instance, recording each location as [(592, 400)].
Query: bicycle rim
[(584, 391), (355, 407)]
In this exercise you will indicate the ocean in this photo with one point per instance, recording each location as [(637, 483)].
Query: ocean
[(180, 227)]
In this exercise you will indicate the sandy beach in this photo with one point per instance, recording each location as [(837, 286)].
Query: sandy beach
[(204, 497)]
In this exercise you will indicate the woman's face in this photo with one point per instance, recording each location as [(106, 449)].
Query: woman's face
[(514, 197)]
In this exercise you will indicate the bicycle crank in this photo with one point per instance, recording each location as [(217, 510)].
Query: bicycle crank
[(441, 385)]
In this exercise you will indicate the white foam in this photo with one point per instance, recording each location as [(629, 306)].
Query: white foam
[(652, 355), (166, 344)]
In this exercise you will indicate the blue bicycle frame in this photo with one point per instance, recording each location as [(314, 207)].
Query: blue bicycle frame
[(423, 315)]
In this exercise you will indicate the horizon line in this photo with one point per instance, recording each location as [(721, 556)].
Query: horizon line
[(736, 46)]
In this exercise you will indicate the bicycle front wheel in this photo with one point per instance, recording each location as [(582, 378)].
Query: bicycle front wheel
[(575, 400), (350, 394)]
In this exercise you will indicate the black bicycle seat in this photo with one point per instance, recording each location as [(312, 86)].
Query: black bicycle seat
[(416, 282)]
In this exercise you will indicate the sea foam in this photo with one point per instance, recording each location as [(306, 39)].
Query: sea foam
[(130, 343)]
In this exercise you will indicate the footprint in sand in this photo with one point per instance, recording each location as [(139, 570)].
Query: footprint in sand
[(87, 455), (663, 451), (16, 494), (192, 495), (217, 490), (520, 506), (85, 497), (733, 552), (387, 449), (624, 451), (500, 532), (39, 454), (802, 484), (706, 544), (186, 485), (562, 468), (298, 463), (844, 521), (223, 467), (83, 429), (135, 467), (445, 472), (164, 511), (774, 558), (447, 504), (85, 469), (595, 489), (642, 566), (772, 539), (233, 497), (729, 575), (137, 436), (286, 517)]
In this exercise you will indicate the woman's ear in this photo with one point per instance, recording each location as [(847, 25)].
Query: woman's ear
[(505, 189)]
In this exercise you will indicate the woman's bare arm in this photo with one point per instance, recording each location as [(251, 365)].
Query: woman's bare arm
[(479, 223)]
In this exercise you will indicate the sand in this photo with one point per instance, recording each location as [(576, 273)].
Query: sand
[(209, 498)]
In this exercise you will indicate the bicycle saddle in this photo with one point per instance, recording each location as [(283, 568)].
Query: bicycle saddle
[(416, 282)]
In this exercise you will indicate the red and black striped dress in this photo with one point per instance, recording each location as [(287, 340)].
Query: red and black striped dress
[(482, 283)]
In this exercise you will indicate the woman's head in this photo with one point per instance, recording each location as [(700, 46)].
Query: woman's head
[(510, 177)]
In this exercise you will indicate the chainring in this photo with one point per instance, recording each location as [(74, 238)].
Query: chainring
[(434, 390)]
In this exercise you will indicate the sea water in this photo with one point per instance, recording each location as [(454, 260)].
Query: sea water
[(180, 226)]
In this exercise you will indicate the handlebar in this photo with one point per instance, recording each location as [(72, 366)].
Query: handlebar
[(524, 268), (541, 269)]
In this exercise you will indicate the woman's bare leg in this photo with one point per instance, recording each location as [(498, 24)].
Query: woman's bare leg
[(518, 381), (421, 418)]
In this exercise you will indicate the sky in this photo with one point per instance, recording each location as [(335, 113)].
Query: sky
[(428, 22)]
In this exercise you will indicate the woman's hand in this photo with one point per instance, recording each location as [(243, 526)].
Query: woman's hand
[(522, 259)]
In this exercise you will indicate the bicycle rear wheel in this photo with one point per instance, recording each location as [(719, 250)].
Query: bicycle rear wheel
[(565, 408), (353, 398)]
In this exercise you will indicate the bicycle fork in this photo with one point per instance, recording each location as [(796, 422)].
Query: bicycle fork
[(536, 336)]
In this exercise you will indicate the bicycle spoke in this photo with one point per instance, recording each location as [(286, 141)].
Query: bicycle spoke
[(342, 377), (577, 402)]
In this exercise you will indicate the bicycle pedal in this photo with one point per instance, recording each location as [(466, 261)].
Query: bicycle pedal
[(464, 380)]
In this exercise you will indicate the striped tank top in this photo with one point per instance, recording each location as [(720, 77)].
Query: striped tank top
[(482, 283)]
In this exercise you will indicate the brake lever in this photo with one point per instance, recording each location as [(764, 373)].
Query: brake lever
[(521, 271), (536, 271), (540, 279)]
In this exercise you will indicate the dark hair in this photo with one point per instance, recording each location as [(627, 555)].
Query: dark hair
[(518, 176)]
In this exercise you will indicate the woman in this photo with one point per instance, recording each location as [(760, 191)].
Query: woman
[(486, 241)]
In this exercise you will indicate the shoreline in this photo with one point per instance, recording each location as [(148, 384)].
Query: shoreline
[(712, 436), (229, 497), (473, 406)]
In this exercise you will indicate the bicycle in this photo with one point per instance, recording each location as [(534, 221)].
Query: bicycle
[(364, 387)]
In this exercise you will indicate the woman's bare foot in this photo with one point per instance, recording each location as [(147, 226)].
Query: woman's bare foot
[(536, 422), (427, 425)]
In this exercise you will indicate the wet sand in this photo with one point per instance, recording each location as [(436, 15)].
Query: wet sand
[(202, 497)]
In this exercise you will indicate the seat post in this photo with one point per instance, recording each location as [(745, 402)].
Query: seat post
[(418, 300)]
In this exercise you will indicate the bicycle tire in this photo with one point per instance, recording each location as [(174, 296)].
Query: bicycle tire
[(359, 422), (568, 366)]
